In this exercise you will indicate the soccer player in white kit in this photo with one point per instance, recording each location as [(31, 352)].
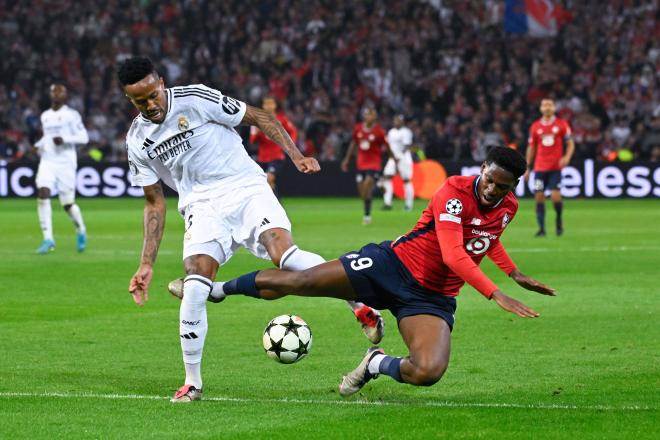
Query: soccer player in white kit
[(400, 139), (185, 137), (63, 129)]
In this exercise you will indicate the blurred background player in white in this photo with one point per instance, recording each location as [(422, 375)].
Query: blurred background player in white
[(270, 155), (63, 129), (185, 137), (400, 139)]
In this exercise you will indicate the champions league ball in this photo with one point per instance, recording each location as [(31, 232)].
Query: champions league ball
[(287, 339)]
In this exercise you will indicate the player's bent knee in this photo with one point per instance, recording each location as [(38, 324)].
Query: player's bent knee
[(429, 374), (67, 207)]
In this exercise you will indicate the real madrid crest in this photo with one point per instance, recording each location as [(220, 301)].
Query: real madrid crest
[(183, 123)]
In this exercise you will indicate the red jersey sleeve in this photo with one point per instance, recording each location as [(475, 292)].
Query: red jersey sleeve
[(532, 135), (498, 254), (356, 127), (447, 207)]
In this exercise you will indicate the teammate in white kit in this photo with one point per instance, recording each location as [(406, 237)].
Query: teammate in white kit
[(400, 139), (185, 137), (63, 129)]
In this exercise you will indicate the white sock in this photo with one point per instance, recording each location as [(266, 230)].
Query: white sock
[(216, 291), (409, 192), (389, 189), (295, 259), (45, 218), (193, 325), (374, 363), (76, 218)]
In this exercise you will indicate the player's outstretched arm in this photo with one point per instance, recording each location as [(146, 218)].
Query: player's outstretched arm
[(530, 283), (268, 123), (154, 224), (514, 306)]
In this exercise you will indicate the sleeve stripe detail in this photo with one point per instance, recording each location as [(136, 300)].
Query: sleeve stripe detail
[(450, 218), (198, 95), (207, 92)]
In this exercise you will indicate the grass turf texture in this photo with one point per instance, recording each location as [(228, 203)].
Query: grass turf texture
[(74, 346)]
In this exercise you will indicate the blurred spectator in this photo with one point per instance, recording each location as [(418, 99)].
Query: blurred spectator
[(447, 65)]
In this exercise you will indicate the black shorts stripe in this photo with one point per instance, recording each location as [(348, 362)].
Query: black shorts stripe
[(195, 94)]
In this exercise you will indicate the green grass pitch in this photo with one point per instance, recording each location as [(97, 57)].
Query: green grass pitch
[(79, 360)]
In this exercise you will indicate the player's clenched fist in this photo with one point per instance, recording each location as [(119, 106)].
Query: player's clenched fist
[(307, 165), (139, 285)]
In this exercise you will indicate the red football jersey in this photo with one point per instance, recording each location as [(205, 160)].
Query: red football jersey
[(370, 144), (548, 137), (454, 233), (269, 150)]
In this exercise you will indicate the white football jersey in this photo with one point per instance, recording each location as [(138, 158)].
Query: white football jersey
[(400, 140), (66, 123), (195, 150)]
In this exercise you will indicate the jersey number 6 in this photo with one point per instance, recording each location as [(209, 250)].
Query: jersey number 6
[(362, 263)]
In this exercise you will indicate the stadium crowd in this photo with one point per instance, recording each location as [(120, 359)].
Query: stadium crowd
[(462, 83)]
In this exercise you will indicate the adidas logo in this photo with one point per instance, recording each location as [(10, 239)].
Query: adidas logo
[(264, 222), (147, 143), (190, 335)]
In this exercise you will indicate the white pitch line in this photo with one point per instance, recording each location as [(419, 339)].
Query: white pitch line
[(585, 249), (435, 404)]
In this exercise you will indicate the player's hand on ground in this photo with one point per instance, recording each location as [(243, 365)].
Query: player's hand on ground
[(511, 305), (531, 284), (307, 165), (58, 140), (526, 176), (139, 285)]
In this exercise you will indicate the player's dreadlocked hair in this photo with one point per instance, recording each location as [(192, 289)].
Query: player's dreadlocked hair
[(132, 70), (509, 159)]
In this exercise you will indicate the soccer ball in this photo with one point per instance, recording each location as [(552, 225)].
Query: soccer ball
[(287, 339)]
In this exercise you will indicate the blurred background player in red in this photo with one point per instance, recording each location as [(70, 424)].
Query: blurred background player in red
[(369, 138), (546, 156), (270, 155)]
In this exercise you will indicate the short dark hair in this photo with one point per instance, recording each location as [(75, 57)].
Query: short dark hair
[(132, 70), (509, 159)]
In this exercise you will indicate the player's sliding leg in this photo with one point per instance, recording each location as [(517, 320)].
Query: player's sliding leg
[(555, 195), (193, 324), (428, 338), (279, 244), (325, 280), (44, 210), (539, 197), (409, 194), (67, 201)]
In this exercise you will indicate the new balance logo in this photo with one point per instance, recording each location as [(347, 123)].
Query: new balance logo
[(264, 222), (190, 335)]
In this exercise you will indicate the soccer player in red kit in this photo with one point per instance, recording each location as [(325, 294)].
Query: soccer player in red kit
[(546, 156), (418, 276), (369, 138), (270, 155)]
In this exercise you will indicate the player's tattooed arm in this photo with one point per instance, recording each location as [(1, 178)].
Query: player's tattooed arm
[(268, 123), (154, 222)]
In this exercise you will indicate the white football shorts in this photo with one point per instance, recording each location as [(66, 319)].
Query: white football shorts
[(60, 176), (218, 227), (405, 168)]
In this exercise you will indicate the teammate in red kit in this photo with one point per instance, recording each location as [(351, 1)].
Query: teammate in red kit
[(270, 155), (546, 156), (369, 138), (418, 276)]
